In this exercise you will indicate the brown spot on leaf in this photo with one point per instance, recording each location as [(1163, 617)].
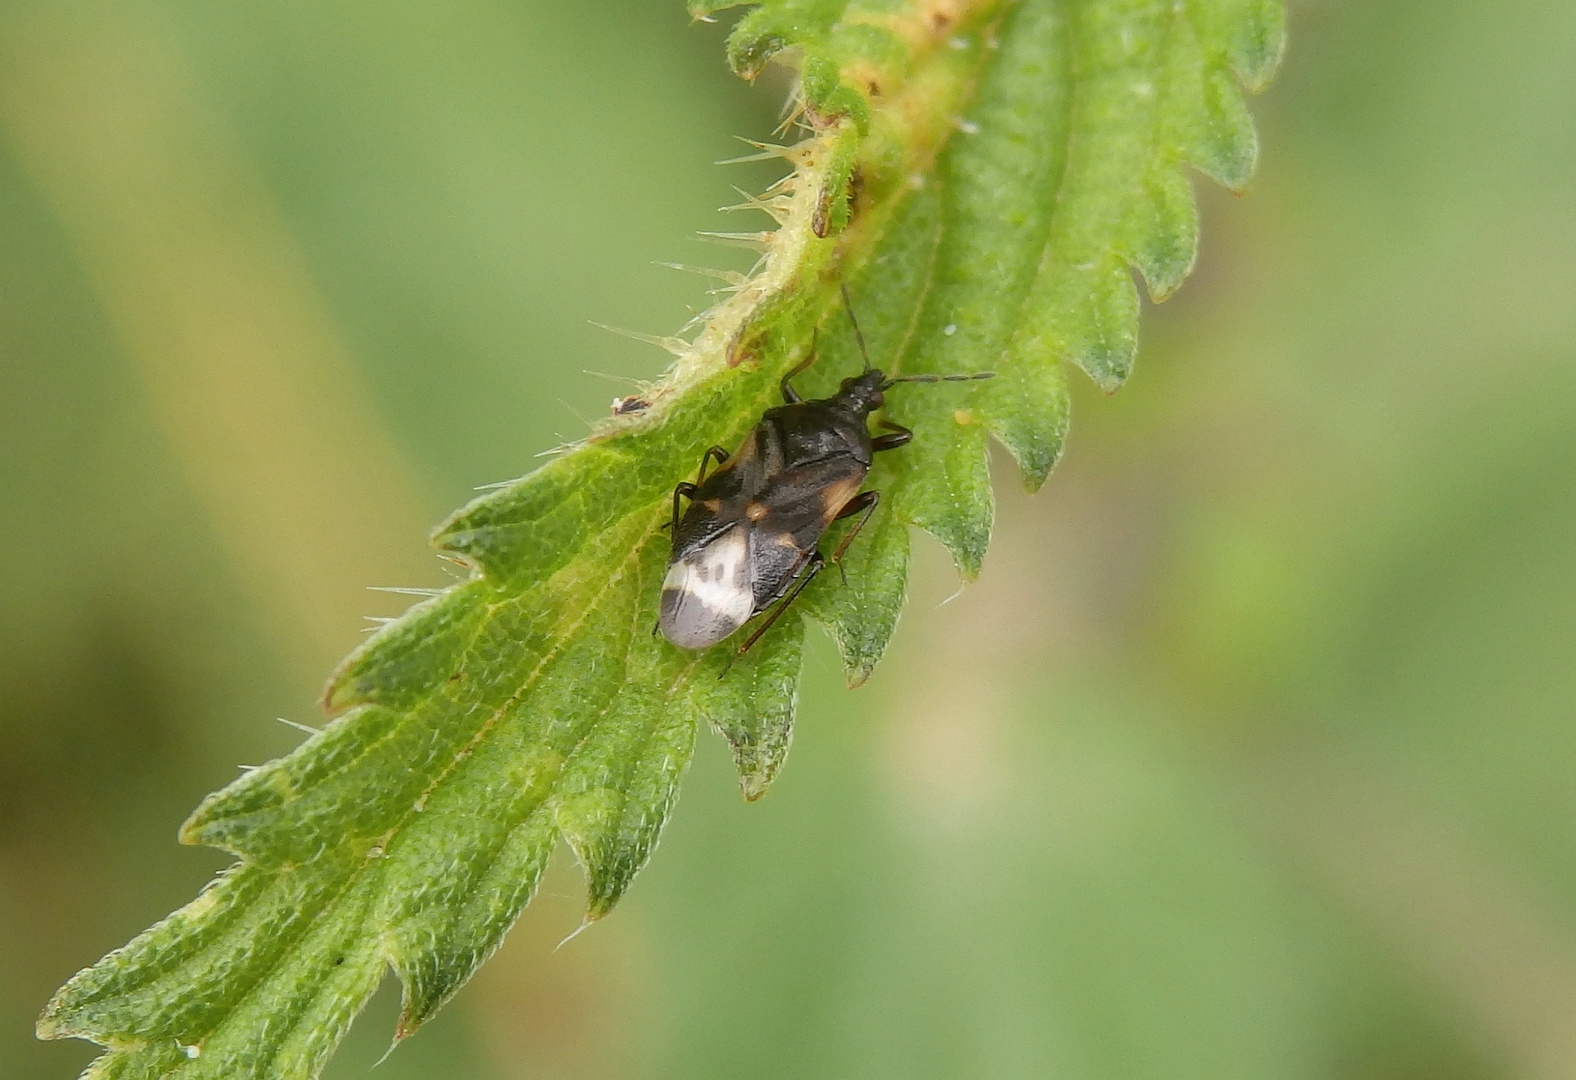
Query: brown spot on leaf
[(821, 220), (741, 353)]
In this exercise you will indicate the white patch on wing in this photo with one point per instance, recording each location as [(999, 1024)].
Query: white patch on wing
[(707, 594)]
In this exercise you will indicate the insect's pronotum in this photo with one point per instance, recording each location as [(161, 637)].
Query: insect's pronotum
[(749, 540)]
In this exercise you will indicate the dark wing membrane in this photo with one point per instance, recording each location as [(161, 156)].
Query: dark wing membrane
[(700, 525), (802, 502), (743, 474)]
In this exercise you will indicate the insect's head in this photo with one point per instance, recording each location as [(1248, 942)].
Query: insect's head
[(866, 391)]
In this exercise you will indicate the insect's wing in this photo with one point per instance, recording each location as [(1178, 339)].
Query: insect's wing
[(805, 500)]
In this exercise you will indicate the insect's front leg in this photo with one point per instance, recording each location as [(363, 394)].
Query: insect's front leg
[(900, 436), (790, 395)]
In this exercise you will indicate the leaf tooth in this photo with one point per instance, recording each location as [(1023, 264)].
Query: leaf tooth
[(462, 916), (307, 805), (1109, 341), (262, 966), (1165, 228), (620, 782), (954, 503), (1087, 313), (1209, 125), (1027, 404), (525, 533), (826, 95), (476, 853), (621, 787), (761, 34), (752, 704), (1258, 43), (862, 616), (103, 1002), (1225, 145)]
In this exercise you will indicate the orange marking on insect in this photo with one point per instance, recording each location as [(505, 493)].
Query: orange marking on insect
[(835, 496)]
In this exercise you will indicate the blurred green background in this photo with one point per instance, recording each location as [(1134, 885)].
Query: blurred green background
[(1252, 753)]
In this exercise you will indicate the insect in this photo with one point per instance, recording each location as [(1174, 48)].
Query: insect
[(750, 537), (634, 403)]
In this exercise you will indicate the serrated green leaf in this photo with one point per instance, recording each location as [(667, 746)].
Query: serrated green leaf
[(750, 702), (985, 177)]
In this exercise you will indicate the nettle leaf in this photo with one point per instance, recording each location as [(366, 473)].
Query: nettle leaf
[(984, 177)]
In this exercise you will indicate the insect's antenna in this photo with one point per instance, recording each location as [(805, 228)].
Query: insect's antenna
[(859, 336), (938, 378)]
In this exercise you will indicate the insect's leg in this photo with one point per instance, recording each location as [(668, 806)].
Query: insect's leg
[(715, 452), (685, 490), (864, 503), (790, 395), (806, 575), (899, 437)]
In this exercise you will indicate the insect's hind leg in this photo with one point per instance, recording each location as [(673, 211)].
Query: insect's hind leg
[(713, 453), (811, 568), (685, 490), (864, 504)]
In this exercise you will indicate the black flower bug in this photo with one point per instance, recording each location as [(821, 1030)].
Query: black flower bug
[(749, 540)]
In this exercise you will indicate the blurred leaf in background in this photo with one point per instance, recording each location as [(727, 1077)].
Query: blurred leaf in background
[(1248, 756)]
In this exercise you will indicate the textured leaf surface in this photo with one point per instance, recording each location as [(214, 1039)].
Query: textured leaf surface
[(984, 177)]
